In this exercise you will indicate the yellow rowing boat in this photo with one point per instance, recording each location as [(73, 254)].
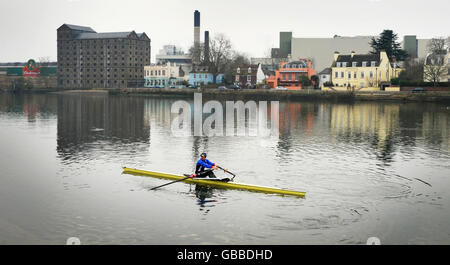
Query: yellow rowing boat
[(213, 183)]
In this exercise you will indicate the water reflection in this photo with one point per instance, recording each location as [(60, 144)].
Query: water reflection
[(31, 106), (364, 164), (204, 195), (84, 121), (383, 128)]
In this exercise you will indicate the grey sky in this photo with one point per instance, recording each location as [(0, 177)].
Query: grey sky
[(28, 28)]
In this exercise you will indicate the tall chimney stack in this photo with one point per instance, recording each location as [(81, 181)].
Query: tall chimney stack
[(196, 37), (206, 46)]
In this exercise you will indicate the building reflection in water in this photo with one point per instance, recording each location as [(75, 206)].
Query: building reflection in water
[(87, 119), (376, 124), (31, 106), (383, 127)]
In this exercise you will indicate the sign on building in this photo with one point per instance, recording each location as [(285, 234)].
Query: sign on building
[(31, 69)]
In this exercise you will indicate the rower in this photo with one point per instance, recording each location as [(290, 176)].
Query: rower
[(204, 168)]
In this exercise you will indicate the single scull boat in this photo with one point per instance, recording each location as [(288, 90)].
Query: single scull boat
[(213, 182)]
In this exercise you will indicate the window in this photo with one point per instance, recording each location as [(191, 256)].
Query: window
[(371, 74), (344, 64), (362, 74), (338, 64), (354, 75), (237, 78), (238, 70), (372, 63), (249, 70), (335, 74), (349, 75), (249, 78), (354, 64), (342, 74)]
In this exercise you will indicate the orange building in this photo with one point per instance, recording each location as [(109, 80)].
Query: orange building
[(290, 74)]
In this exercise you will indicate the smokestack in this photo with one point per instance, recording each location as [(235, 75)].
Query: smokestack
[(196, 37), (196, 18), (206, 46)]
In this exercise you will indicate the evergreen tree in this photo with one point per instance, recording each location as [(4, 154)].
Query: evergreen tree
[(387, 41)]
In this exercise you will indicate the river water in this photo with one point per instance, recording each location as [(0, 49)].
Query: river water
[(369, 169)]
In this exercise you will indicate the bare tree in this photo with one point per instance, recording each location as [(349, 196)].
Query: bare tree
[(436, 45), (448, 43), (413, 70), (44, 61), (372, 81), (238, 59), (220, 54), (436, 68)]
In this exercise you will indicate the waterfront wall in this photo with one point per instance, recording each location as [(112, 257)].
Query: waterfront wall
[(263, 94), (11, 83), (269, 94), (439, 88)]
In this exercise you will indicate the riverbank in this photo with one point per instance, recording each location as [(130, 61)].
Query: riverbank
[(259, 94), (248, 94)]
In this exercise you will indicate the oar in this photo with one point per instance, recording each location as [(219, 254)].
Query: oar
[(228, 172), (170, 183)]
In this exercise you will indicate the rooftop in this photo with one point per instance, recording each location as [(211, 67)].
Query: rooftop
[(80, 28)]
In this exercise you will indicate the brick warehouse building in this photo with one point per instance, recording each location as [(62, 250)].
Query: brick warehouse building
[(87, 59)]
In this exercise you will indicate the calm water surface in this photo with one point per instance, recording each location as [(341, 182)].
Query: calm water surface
[(369, 169)]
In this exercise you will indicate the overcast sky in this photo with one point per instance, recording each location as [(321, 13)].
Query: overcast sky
[(28, 28)]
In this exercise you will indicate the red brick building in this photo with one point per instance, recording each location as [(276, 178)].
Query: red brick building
[(245, 75)]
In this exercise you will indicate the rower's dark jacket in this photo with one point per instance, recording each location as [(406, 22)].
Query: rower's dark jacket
[(202, 164)]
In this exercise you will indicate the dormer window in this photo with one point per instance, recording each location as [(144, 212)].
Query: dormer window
[(354, 64), (249, 70), (364, 64), (344, 64), (338, 64), (238, 70), (372, 63)]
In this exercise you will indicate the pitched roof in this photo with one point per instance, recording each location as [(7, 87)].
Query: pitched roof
[(82, 32), (80, 28), (302, 63), (243, 69), (325, 71), (358, 58), (104, 35), (143, 36)]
